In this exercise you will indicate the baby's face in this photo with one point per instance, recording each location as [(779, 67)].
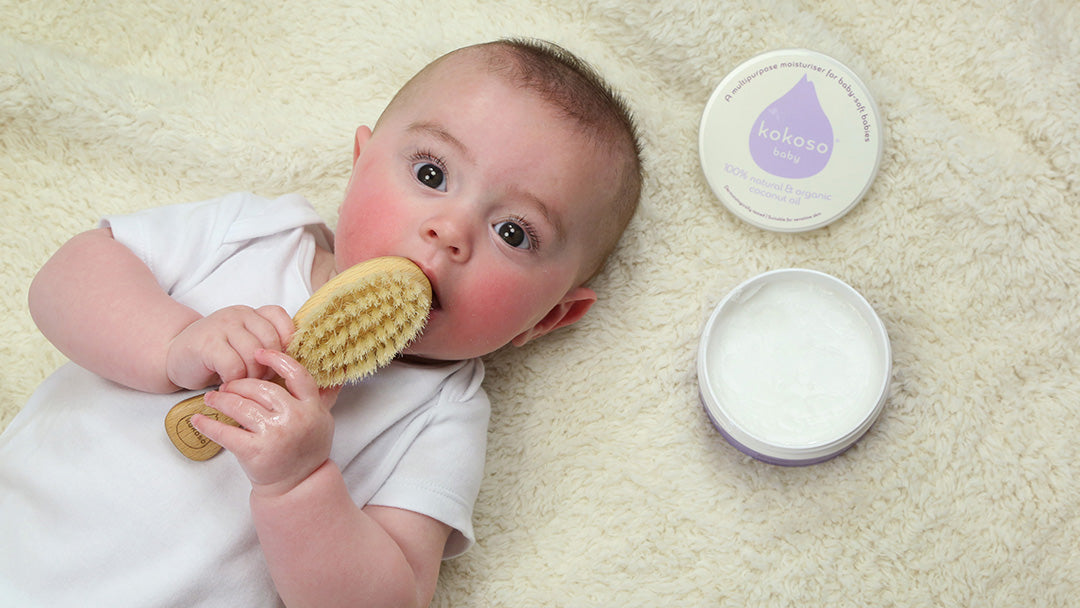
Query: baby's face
[(492, 193)]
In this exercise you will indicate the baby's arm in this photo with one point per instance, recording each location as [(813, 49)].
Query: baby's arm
[(322, 549), (100, 305)]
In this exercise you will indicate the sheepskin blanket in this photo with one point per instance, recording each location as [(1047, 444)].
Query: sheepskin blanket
[(606, 484)]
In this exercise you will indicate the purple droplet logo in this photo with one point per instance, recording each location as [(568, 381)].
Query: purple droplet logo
[(793, 137)]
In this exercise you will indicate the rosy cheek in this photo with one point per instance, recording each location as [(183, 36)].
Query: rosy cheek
[(348, 242), (500, 307), (368, 228)]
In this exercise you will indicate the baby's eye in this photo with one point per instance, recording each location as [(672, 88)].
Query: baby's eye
[(431, 175), (514, 234)]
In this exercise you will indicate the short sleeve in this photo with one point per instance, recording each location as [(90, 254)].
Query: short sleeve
[(440, 472), (172, 240), (183, 243)]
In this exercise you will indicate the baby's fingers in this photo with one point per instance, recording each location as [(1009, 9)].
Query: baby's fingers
[(281, 322), (236, 359), (268, 327), (250, 402), (227, 436), (297, 379)]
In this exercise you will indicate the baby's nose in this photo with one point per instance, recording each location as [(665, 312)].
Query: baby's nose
[(451, 235)]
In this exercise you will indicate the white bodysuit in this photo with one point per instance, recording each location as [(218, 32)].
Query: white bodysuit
[(97, 508)]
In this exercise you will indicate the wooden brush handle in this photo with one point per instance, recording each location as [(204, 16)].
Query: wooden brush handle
[(184, 436)]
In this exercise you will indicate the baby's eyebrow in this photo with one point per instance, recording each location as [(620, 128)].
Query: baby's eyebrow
[(435, 130), (538, 203)]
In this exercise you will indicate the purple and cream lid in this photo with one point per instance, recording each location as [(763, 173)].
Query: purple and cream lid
[(790, 140)]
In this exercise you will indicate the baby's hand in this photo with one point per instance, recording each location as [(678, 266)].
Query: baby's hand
[(221, 346), (285, 432)]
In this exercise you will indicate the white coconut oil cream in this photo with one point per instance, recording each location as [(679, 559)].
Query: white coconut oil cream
[(794, 366), (790, 140)]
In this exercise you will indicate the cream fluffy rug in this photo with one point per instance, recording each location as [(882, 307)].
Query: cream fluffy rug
[(606, 484)]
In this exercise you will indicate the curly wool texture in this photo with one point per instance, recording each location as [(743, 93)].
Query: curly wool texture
[(605, 483)]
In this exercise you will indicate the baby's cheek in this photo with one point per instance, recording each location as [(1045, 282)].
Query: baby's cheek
[(362, 235), (502, 310)]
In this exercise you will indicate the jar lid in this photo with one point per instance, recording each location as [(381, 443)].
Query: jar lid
[(790, 140)]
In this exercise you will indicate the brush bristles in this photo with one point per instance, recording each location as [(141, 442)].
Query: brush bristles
[(361, 320)]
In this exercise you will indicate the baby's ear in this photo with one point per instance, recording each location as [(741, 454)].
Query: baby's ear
[(570, 308), (363, 133)]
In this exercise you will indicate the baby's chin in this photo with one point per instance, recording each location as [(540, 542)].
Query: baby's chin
[(419, 354), (418, 360), (424, 349), (434, 351)]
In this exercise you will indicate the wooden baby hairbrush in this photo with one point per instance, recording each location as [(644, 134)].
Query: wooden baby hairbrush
[(351, 326)]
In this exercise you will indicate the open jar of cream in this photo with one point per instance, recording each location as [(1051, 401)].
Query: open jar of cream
[(790, 140), (794, 366)]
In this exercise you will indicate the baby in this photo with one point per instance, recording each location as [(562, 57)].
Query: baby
[(506, 171)]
